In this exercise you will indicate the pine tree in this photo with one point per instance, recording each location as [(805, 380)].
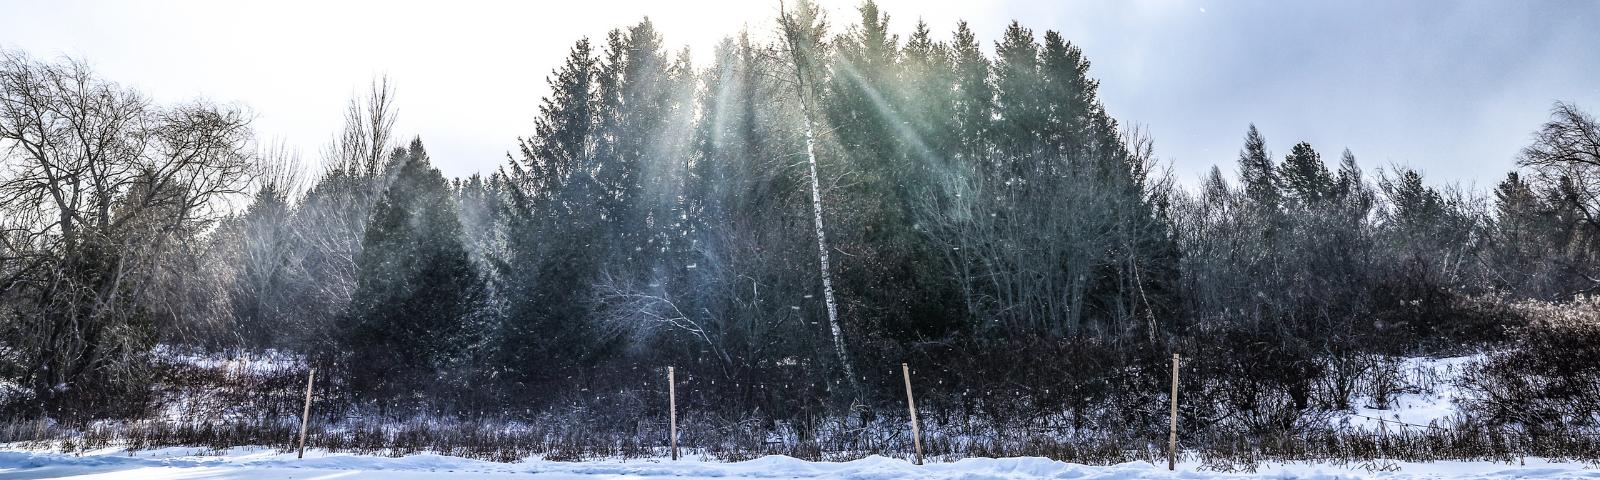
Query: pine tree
[(1304, 175), (416, 287)]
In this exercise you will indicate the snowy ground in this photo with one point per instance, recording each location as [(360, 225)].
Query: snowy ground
[(1427, 394), (243, 463), (270, 361)]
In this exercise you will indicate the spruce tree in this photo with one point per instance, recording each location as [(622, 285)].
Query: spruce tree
[(256, 297), (563, 140), (1072, 115), (1526, 241), (860, 103), (974, 92), (416, 286), (556, 227), (1021, 102), (1215, 191), (1416, 208), (928, 98), (637, 98)]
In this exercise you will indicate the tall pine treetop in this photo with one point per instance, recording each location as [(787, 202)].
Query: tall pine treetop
[(1304, 175)]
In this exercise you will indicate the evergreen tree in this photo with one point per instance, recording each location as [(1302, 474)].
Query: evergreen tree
[(257, 295), (727, 142), (1523, 236), (1073, 122), (562, 140), (861, 104), (636, 94), (974, 93), (480, 204), (1018, 85), (1415, 207), (1215, 191), (1349, 182), (1304, 176), (416, 287), (928, 96), (1256, 171), (1515, 202), (1353, 196), (553, 226)]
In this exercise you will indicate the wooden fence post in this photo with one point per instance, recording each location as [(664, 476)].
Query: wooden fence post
[(672, 405), (306, 416), (911, 403), (1172, 437)]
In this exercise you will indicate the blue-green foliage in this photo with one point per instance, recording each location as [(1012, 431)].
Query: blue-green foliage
[(416, 288)]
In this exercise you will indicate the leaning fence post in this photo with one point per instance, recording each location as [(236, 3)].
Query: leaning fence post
[(304, 417), (911, 403), (1172, 435), (672, 406)]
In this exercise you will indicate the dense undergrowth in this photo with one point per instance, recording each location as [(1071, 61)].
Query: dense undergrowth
[(1531, 395), (701, 438)]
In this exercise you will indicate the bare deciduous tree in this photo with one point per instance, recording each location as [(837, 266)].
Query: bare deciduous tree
[(1565, 159), (1565, 154), (99, 186)]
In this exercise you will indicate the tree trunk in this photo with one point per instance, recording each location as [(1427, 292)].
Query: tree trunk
[(792, 33)]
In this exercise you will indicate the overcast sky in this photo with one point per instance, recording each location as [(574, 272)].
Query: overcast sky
[(1451, 88)]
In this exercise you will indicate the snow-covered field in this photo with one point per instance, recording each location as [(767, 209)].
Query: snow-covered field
[(243, 463)]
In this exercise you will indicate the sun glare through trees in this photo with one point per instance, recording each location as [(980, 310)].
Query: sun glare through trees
[(806, 224)]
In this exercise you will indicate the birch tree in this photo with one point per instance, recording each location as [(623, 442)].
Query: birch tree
[(802, 33)]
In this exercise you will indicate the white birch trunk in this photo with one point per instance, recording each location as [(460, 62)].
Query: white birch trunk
[(816, 193), (822, 250)]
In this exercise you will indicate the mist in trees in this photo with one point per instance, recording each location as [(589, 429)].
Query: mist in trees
[(417, 292), (783, 221)]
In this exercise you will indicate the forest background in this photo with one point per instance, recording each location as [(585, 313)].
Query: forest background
[(785, 227)]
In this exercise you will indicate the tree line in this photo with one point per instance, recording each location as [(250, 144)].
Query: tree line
[(985, 221)]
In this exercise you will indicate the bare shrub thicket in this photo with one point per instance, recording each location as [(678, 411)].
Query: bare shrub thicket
[(1545, 379)]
